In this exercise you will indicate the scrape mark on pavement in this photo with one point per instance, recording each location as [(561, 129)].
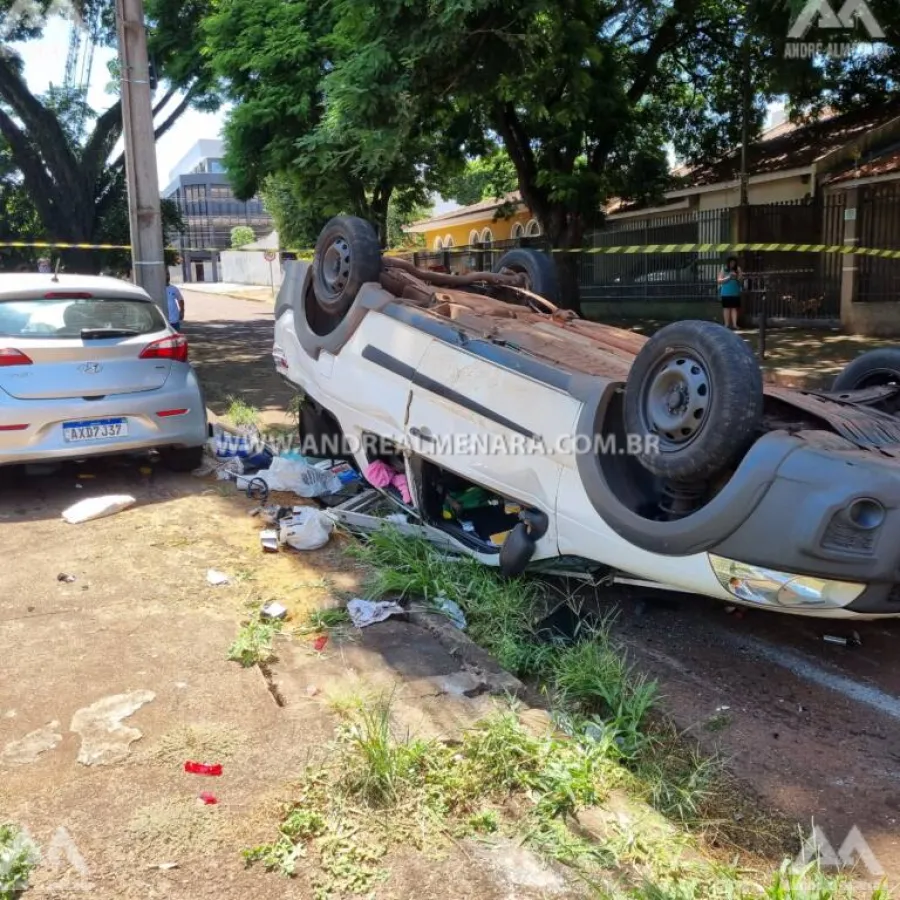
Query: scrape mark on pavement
[(104, 739), (29, 748)]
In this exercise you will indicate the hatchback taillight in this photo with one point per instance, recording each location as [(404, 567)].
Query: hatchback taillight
[(10, 357), (174, 347)]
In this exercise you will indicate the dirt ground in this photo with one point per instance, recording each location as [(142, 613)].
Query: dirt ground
[(812, 727)]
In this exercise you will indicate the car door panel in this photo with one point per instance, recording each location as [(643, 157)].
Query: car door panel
[(493, 426)]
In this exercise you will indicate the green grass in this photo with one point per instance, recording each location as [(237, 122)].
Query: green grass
[(379, 790), (18, 858), (253, 644), (240, 413)]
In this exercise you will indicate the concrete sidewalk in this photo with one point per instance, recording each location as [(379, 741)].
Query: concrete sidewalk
[(256, 292)]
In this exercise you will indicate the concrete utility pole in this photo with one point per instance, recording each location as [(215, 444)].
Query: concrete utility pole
[(147, 254)]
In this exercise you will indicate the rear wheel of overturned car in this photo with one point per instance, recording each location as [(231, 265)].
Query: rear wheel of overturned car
[(538, 268), (694, 400), (347, 256), (877, 368)]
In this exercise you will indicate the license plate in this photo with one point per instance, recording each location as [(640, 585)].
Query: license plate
[(94, 430)]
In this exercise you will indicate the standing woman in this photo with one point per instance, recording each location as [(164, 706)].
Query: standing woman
[(730, 291)]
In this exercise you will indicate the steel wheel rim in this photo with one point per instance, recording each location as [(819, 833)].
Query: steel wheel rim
[(336, 268), (676, 399)]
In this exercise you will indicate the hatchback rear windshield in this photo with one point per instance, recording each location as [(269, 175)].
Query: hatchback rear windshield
[(68, 318)]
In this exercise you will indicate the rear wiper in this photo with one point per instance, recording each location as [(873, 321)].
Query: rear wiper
[(89, 334)]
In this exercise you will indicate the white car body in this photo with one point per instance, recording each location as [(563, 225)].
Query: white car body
[(394, 374)]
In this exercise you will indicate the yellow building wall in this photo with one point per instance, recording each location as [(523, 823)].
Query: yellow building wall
[(501, 230)]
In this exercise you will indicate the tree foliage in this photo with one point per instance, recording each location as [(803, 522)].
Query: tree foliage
[(487, 177), (275, 58), (241, 235)]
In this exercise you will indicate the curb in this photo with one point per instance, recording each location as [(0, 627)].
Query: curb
[(461, 647)]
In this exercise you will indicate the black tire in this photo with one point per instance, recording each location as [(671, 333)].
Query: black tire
[(182, 459), (320, 434), (715, 378), (877, 368), (347, 256), (538, 267)]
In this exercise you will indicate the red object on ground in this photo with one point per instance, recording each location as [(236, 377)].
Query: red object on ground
[(320, 642), (196, 768), (209, 799)]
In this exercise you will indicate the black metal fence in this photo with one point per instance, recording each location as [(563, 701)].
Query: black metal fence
[(878, 215), (782, 285)]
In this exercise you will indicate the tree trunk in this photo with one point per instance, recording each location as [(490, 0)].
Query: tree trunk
[(565, 232)]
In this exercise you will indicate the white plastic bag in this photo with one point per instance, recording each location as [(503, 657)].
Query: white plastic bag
[(299, 477), (306, 529), (364, 613), (97, 508)]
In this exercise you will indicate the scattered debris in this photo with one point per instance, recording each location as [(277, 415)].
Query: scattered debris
[(97, 508), (320, 642), (269, 541), (306, 529), (299, 477), (216, 578), (164, 867), (209, 799), (65, 579), (104, 739), (857, 639), (273, 611), (195, 768), (312, 690), (397, 519), (380, 475), (368, 612), (146, 470), (451, 610), (835, 639)]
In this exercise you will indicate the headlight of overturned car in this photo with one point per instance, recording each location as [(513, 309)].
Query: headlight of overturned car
[(769, 587)]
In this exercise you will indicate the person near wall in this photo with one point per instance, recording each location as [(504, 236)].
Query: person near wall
[(175, 302), (730, 289)]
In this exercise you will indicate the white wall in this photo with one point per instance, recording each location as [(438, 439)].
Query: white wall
[(248, 267)]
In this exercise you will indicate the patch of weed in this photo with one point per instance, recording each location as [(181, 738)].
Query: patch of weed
[(253, 643), (240, 413), (18, 858), (320, 620)]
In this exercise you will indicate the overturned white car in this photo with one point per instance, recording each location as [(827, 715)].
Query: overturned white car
[(524, 434)]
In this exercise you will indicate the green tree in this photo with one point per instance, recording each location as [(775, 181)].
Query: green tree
[(63, 151), (241, 235), (297, 219), (403, 211), (485, 177), (275, 59)]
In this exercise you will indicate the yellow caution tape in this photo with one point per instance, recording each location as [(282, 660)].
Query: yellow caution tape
[(841, 249)]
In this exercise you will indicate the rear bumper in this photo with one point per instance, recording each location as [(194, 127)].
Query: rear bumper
[(43, 438)]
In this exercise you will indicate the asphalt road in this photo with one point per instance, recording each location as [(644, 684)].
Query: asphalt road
[(812, 726)]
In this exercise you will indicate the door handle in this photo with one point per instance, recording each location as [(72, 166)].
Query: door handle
[(423, 434)]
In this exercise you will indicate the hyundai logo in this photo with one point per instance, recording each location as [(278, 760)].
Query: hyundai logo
[(91, 368)]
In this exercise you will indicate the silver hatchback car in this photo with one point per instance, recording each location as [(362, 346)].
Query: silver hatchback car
[(90, 366)]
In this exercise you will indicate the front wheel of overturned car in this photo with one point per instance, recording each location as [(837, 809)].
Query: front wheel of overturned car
[(182, 459), (538, 268), (347, 256), (877, 368), (694, 398)]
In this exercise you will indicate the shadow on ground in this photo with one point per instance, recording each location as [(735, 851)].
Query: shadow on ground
[(234, 358)]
